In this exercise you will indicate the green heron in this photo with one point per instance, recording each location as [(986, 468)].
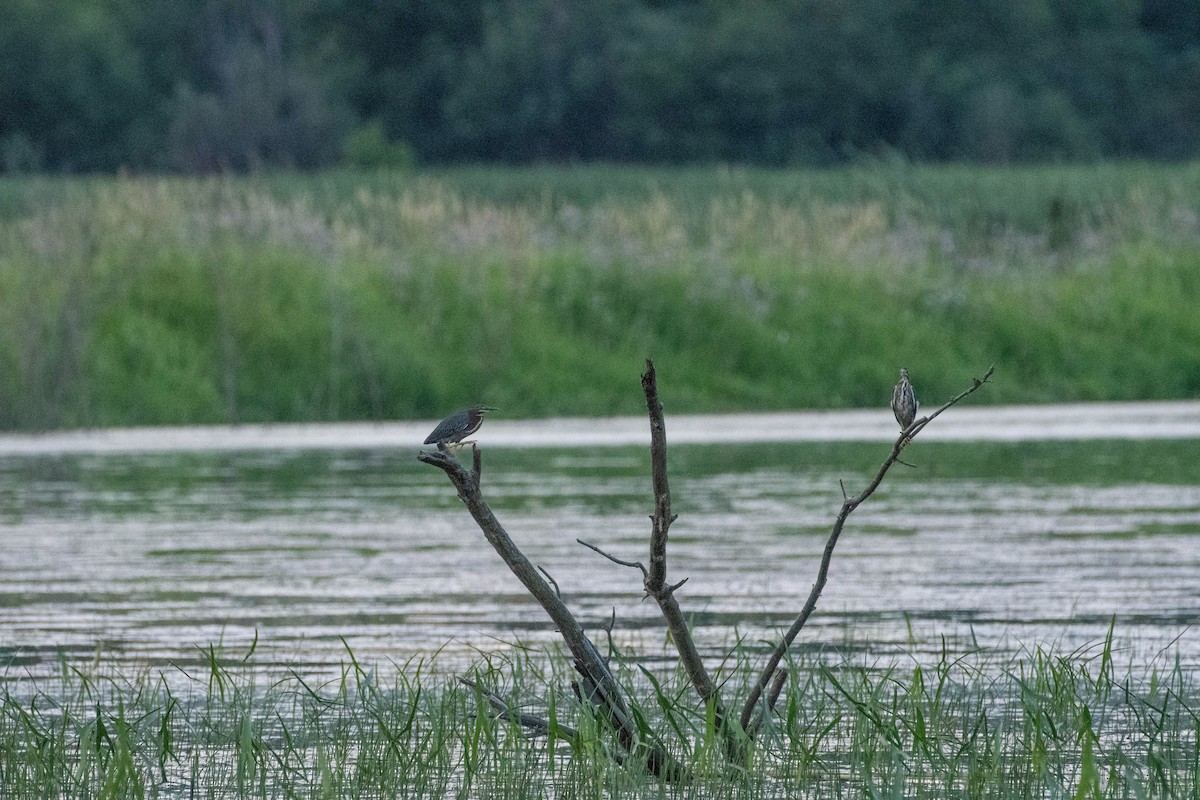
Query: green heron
[(459, 425), (904, 401)]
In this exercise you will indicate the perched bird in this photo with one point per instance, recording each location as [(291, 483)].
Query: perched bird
[(904, 401), (459, 425)]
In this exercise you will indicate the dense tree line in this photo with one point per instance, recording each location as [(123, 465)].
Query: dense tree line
[(202, 85)]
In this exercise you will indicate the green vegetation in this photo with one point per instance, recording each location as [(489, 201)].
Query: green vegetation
[(241, 84), (965, 725), (401, 295)]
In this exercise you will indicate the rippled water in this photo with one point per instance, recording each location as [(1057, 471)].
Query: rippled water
[(143, 558)]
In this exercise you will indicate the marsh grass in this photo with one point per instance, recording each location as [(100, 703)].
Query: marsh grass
[(351, 296), (1037, 724)]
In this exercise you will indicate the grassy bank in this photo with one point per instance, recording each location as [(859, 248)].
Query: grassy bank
[(342, 296), (1040, 725)]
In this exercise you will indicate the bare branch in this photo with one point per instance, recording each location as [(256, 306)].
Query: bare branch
[(537, 725), (613, 558), (920, 424), (671, 589), (776, 688), (655, 580), (848, 506), (608, 629), (662, 518), (550, 578), (588, 661)]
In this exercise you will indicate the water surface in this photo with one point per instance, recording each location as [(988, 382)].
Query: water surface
[(140, 558)]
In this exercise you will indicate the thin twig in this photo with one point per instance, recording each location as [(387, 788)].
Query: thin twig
[(550, 578), (613, 558), (608, 629), (920, 424), (848, 506)]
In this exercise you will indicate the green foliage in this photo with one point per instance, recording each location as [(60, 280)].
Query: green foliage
[(394, 295), (368, 147), (248, 84), (71, 86)]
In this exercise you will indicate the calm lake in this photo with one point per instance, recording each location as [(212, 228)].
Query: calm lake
[(1015, 528)]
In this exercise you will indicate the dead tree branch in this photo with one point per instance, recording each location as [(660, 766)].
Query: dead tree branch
[(614, 559), (656, 578), (539, 726), (748, 721), (550, 578), (776, 688), (599, 685), (596, 684)]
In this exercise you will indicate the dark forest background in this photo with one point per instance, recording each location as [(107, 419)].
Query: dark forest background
[(98, 85)]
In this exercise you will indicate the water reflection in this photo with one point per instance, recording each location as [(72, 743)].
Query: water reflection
[(143, 559)]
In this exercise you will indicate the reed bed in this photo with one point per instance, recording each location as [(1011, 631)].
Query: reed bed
[(968, 724), (380, 296)]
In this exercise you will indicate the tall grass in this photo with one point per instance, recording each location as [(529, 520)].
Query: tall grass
[(969, 725), (346, 296)]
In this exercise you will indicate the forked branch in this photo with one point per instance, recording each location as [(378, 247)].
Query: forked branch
[(596, 684), (751, 717), (600, 686)]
